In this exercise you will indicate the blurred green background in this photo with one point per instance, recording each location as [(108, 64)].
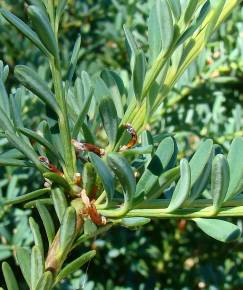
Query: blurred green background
[(207, 101)]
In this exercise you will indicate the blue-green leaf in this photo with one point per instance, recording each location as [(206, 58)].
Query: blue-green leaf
[(9, 277), (123, 171), (132, 45), (190, 9), (138, 74), (235, 160), (183, 187), (59, 201), (74, 59), (31, 80), (15, 162), (198, 163), (28, 196), (219, 229), (37, 266), (83, 113), (43, 28), (4, 100), (116, 87), (68, 229), (219, 180), (134, 222), (36, 234), (24, 260), (109, 119), (163, 159), (176, 8), (75, 265), (45, 282), (23, 28), (38, 138), (105, 175), (47, 221), (160, 28)]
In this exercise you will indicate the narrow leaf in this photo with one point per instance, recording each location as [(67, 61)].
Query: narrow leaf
[(31, 80), (45, 201), (9, 277), (109, 119), (190, 9), (83, 113), (183, 187), (199, 162), (28, 196), (68, 229), (47, 221), (235, 160), (147, 140), (15, 162), (4, 100), (6, 124), (40, 4), (23, 28), (105, 175), (60, 9), (11, 154), (75, 265), (124, 172), (36, 235), (38, 138), (161, 29), (217, 10), (219, 180), (74, 59), (176, 8), (45, 282), (163, 159), (134, 222), (139, 74), (88, 134), (89, 178), (132, 45), (154, 39), (15, 107), (219, 229), (37, 266), (138, 150), (160, 185), (59, 201), (25, 148), (24, 260), (195, 25), (43, 28), (90, 228), (201, 183), (116, 87)]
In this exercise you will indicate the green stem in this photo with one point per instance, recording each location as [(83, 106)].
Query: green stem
[(199, 203), (155, 70), (69, 154), (116, 213), (185, 213)]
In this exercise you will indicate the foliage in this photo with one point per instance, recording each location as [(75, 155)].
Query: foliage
[(189, 190)]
